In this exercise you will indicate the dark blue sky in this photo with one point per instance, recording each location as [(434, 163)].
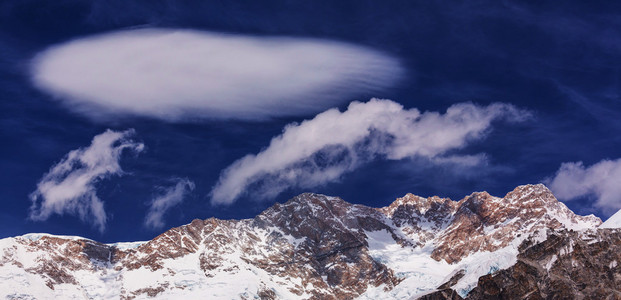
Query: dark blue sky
[(560, 61)]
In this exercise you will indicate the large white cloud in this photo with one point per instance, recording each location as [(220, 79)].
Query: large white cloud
[(320, 150), (177, 74), (602, 181), (70, 185), (168, 198)]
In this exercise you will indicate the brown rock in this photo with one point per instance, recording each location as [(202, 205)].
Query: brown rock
[(568, 265)]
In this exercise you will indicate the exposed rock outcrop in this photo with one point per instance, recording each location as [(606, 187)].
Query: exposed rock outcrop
[(567, 265)]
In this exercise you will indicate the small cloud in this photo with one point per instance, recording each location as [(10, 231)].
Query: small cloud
[(463, 160), (69, 186), (601, 181), (168, 198), (176, 74), (322, 149)]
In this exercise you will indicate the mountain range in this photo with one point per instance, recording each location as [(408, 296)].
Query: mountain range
[(525, 245)]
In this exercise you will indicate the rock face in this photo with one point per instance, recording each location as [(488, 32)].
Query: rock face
[(444, 294), (311, 247), (567, 265)]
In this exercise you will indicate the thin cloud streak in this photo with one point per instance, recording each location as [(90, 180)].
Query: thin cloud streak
[(178, 75), (321, 150), (70, 185), (169, 198)]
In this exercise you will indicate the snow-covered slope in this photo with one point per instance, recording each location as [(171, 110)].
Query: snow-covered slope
[(613, 222), (312, 247)]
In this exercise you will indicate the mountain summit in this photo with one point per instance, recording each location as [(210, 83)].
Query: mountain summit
[(311, 247)]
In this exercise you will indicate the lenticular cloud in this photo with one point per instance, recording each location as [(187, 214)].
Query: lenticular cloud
[(180, 74)]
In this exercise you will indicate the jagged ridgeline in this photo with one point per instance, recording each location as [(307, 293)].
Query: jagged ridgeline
[(525, 245)]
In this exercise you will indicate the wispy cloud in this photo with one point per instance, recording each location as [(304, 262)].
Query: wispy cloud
[(70, 185), (180, 74), (601, 181), (322, 149), (168, 198)]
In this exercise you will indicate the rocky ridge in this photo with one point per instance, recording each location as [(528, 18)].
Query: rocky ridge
[(566, 265), (311, 247)]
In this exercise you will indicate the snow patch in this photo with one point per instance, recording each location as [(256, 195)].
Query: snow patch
[(420, 272), (551, 262), (483, 263), (127, 245)]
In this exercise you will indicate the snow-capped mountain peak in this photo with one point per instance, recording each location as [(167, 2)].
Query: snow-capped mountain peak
[(312, 246)]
